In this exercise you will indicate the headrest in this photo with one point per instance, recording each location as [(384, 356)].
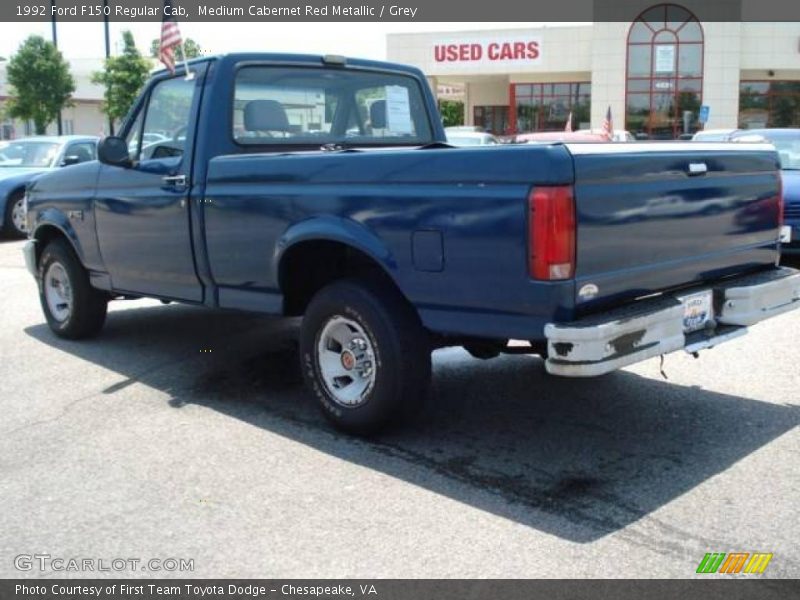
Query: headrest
[(265, 115), (377, 114)]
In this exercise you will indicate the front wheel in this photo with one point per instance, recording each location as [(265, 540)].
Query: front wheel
[(365, 355), (15, 223), (72, 307)]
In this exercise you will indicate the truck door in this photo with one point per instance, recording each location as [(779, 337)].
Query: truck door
[(142, 212)]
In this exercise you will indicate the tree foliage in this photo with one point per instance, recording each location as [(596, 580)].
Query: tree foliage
[(41, 83), (452, 112), (192, 48), (123, 77)]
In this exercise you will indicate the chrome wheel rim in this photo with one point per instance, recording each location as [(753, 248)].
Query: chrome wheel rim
[(18, 216), (58, 292), (346, 361)]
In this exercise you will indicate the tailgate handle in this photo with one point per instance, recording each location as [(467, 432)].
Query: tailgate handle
[(698, 168)]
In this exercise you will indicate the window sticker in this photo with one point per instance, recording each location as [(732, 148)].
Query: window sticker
[(398, 110)]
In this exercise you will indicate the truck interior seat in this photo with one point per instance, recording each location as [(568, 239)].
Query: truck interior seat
[(266, 115)]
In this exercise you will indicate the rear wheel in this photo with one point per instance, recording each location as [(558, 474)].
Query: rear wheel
[(72, 307), (365, 355), (15, 220)]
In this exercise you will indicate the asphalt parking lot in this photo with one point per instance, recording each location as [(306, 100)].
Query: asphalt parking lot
[(184, 433)]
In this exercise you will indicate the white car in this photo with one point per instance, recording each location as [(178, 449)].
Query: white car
[(463, 129), (714, 135), (470, 138)]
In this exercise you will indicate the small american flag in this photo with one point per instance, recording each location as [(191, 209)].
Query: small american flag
[(608, 125), (170, 37), (568, 126)]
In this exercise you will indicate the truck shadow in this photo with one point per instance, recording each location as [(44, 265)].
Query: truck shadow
[(576, 459)]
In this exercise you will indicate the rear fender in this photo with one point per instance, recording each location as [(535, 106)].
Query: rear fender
[(335, 229)]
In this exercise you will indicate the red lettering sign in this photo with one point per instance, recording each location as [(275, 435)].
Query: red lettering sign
[(493, 51)]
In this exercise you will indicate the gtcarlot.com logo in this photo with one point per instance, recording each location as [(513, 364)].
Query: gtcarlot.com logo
[(47, 562), (734, 562)]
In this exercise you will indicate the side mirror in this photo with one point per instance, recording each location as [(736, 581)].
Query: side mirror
[(113, 150), (70, 160)]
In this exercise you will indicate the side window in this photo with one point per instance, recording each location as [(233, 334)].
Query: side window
[(166, 119), (80, 152), (134, 136)]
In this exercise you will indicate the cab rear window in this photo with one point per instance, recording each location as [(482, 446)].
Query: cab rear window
[(319, 106)]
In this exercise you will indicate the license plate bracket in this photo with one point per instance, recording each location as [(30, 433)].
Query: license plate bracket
[(698, 310)]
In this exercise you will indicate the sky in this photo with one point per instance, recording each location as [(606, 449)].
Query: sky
[(363, 40)]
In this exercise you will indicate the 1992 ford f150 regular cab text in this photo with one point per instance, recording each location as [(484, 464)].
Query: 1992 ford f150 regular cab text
[(323, 187)]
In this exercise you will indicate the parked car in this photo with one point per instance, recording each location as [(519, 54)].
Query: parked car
[(787, 143), (21, 161), (391, 243), (559, 136), (464, 129), (620, 135), (471, 138), (713, 135)]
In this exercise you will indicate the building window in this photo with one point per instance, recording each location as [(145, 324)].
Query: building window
[(493, 119), (7, 130), (546, 106), (769, 104), (664, 73)]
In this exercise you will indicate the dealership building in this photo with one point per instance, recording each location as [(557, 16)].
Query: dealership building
[(663, 73)]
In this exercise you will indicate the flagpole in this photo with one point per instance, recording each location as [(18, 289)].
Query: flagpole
[(189, 74)]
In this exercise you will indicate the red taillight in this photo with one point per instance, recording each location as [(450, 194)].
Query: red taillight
[(780, 200), (551, 233)]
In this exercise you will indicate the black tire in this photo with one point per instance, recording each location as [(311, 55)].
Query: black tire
[(87, 312), (11, 230), (399, 345)]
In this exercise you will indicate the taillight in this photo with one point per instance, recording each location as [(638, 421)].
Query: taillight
[(780, 200), (551, 233)]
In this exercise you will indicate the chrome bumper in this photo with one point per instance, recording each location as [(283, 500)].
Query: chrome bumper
[(608, 341), (29, 252)]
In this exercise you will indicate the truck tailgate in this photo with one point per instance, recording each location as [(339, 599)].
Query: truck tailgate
[(655, 216)]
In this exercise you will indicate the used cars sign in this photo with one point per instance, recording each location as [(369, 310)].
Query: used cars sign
[(523, 50)]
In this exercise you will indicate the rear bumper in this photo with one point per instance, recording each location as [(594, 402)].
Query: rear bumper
[(608, 341)]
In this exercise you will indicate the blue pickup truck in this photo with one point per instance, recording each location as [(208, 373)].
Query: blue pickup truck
[(324, 187)]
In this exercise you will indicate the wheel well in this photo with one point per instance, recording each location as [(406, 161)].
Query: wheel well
[(46, 234), (307, 267)]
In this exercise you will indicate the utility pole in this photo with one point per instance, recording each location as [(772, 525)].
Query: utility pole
[(108, 55), (55, 43)]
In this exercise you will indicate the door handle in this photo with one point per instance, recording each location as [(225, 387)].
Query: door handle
[(175, 180), (698, 168)]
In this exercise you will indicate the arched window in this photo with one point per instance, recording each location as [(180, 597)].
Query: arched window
[(664, 78)]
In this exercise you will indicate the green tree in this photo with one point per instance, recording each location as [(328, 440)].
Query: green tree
[(192, 49), (41, 83), (452, 112), (123, 78)]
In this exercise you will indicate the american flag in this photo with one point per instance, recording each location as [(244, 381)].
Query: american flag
[(568, 126), (170, 37), (608, 125)]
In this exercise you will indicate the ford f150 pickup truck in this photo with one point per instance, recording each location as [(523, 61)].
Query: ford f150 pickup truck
[(324, 187)]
